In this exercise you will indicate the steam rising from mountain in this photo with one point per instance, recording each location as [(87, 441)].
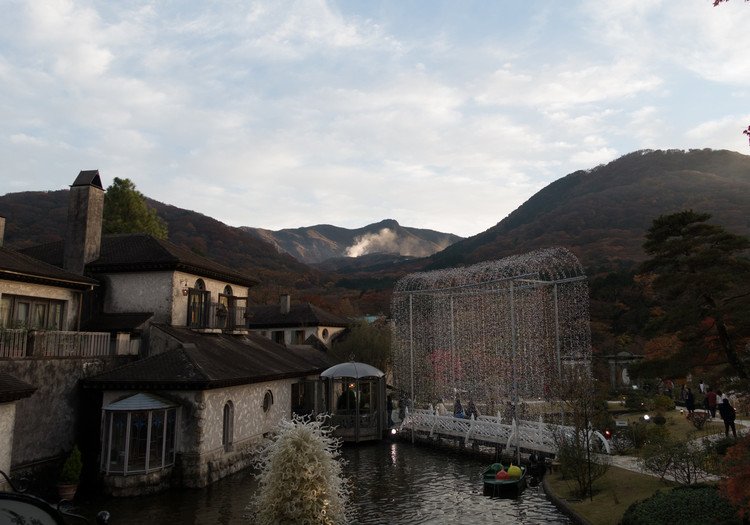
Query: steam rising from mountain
[(388, 241)]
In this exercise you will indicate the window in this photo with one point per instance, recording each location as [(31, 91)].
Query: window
[(139, 435), (227, 436), (278, 336), (267, 401), (325, 333), (227, 290), (37, 313), (299, 337)]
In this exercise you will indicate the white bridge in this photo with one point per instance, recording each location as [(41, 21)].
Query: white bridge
[(529, 436)]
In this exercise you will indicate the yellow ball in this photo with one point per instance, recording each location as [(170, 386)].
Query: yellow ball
[(514, 472)]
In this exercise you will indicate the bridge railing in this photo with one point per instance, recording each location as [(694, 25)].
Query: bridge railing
[(528, 435)]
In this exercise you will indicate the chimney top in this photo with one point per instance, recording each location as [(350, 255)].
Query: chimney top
[(88, 178), (285, 303)]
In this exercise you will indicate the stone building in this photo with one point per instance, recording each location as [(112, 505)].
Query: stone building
[(197, 391), (295, 324)]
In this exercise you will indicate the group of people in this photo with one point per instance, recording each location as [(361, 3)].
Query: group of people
[(712, 401)]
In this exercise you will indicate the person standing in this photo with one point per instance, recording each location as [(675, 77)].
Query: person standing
[(728, 414), (683, 392), (471, 410), (458, 409), (690, 401), (711, 397), (702, 387)]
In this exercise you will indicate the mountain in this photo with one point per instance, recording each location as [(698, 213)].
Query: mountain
[(37, 217), (602, 214), (315, 244)]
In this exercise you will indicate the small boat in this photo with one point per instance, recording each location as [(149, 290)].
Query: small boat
[(509, 483)]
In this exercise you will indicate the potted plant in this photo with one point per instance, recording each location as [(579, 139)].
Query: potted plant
[(70, 475)]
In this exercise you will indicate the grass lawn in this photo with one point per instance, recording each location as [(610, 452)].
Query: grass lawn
[(616, 491), (679, 426)]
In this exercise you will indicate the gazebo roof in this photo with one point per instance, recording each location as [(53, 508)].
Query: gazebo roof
[(140, 402), (351, 369)]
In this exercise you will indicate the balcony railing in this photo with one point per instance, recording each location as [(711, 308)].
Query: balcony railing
[(49, 343), (216, 316)]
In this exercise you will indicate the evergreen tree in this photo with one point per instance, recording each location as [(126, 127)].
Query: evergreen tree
[(701, 277), (126, 211)]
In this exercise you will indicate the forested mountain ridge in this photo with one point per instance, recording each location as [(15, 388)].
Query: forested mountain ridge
[(315, 244), (602, 214), (37, 217)]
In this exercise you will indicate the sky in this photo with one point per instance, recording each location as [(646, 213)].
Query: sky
[(281, 114)]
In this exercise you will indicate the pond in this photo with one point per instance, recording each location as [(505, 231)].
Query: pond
[(392, 482)]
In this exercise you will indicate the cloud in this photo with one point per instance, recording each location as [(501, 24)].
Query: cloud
[(298, 113)]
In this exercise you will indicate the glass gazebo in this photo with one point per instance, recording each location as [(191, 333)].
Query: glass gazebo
[(355, 398)]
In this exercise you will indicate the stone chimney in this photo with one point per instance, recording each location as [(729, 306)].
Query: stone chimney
[(2, 230), (285, 303), (84, 230)]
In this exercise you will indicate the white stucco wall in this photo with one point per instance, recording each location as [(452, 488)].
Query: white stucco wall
[(309, 330), (7, 422), (140, 292), (180, 301), (250, 422), (71, 297)]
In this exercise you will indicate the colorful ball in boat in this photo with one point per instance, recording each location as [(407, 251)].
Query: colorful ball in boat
[(502, 474), (496, 467), (514, 472)]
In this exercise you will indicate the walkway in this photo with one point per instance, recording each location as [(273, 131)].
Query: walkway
[(529, 436)]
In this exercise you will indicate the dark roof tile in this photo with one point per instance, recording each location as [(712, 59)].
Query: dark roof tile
[(299, 315), (19, 266), (13, 389), (213, 361), (142, 252)]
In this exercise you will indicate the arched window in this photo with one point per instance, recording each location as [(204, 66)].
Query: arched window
[(199, 285), (267, 401), (228, 435), (227, 290), (325, 333)]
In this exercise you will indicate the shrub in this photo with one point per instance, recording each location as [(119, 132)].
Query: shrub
[(686, 463), (662, 403), (697, 504), (659, 420), (301, 477), (637, 400), (698, 419), (71, 471)]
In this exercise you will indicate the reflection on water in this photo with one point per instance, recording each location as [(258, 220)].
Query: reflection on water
[(390, 482)]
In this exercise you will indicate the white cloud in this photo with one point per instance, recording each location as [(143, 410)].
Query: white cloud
[(296, 113)]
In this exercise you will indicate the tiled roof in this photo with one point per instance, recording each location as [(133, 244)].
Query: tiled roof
[(12, 389), (124, 322), (299, 315), (16, 266), (208, 361), (142, 252)]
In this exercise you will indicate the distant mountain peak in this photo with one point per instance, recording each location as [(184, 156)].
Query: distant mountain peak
[(315, 244)]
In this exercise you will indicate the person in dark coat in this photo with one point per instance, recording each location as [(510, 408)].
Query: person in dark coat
[(471, 410), (458, 409), (689, 401), (728, 414)]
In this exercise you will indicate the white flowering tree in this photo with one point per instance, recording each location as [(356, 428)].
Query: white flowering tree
[(301, 476)]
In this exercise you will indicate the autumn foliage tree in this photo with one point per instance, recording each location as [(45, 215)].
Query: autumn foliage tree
[(735, 485), (702, 277)]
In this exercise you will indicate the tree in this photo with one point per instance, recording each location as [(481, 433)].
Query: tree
[(366, 342), (582, 409), (735, 485), (701, 276), (126, 211)]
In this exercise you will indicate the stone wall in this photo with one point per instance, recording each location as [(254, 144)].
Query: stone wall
[(46, 423), (7, 418)]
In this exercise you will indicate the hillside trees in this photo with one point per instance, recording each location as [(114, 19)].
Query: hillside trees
[(366, 342), (126, 211), (702, 279)]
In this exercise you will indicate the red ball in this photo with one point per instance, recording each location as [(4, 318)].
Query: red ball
[(502, 474)]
